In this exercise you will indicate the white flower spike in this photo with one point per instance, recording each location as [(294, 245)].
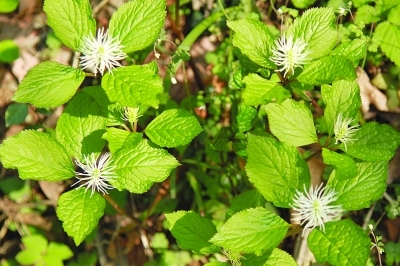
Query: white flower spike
[(343, 132), (289, 54), (101, 52), (97, 174), (313, 207)]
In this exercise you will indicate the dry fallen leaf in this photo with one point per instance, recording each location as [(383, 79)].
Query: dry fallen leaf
[(370, 94)]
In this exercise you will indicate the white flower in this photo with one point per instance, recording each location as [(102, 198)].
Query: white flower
[(313, 207), (97, 174), (101, 53), (343, 132), (289, 54)]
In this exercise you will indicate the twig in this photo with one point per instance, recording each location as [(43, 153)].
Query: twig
[(100, 251), (368, 216), (99, 7)]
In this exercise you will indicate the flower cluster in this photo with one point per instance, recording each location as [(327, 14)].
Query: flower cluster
[(343, 132), (313, 208), (97, 173), (101, 53), (289, 54)]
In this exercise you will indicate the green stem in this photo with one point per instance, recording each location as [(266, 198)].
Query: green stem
[(313, 155), (204, 25)]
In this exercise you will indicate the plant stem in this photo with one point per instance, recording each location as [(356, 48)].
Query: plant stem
[(313, 155), (121, 211)]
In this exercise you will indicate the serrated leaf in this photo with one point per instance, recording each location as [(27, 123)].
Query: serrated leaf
[(138, 23), (246, 200), (343, 97), (327, 70), (353, 50), (63, 252), (221, 140), (342, 243), (192, 231), (35, 242), (71, 21), (276, 169), (16, 114), (318, 29), (80, 212), (344, 165), (262, 91), (253, 39), (291, 122), (394, 15), (362, 190), (388, 35), (81, 126), (9, 50), (274, 258), (246, 118), (139, 167), (133, 86), (173, 128), (366, 14), (49, 84), (115, 137), (37, 156), (251, 231), (374, 142)]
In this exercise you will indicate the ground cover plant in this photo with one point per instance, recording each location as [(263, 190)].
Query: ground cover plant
[(280, 152)]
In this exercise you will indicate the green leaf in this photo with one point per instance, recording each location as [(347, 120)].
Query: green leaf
[(388, 35), (138, 167), (246, 118), (342, 243), (37, 156), (353, 50), (173, 128), (16, 114), (62, 251), (246, 200), (291, 122), (366, 14), (253, 39), (28, 257), (318, 29), (133, 86), (80, 212), (9, 51), (35, 242), (394, 15), (192, 231), (251, 231), (327, 70), (343, 97), (115, 137), (262, 91), (49, 84), (276, 169), (361, 191), (221, 140), (81, 126), (138, 23), (7, 6), (272, 258), (71, 21), (374, 142), (344, 165), (303, 3)]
